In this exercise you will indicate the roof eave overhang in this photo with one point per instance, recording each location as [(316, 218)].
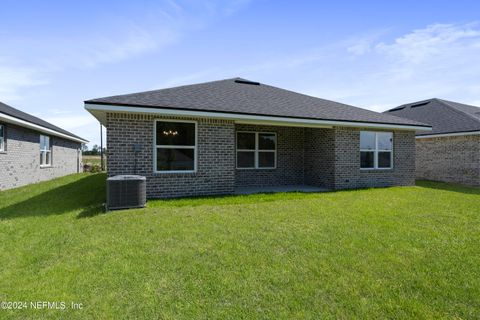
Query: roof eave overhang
[(99, 111), (22, 123), (449, 134)]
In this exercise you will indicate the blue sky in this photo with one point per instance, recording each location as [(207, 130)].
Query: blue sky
[(371, 54)]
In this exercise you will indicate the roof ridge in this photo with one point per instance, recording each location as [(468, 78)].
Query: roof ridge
[(447, 103)]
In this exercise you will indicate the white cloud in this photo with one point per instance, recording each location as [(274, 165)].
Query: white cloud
[(35, 58), (71, 122), (440, 60), (82, 125), (235, 5), (55, 55), (14, 78), (56, 111), (186, 79), (373, 71), (438, 39), (361, 47), (32, 60), (362, 44), (110, 50)]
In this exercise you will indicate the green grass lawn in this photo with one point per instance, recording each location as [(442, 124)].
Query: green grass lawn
[(403, 252)]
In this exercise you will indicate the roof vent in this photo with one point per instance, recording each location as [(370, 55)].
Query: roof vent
[(396, 109), (419, 104), (247, 82)]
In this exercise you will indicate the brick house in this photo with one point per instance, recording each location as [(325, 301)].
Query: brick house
[(33, 150), (218, 137), (451, 151)]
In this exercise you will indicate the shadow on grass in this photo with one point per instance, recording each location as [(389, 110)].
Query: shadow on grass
[(448, 187), (92, 211), (86, 194)]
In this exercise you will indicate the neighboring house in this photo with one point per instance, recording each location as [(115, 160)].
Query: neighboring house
[(218, 137), (451, 151), (33, 150)]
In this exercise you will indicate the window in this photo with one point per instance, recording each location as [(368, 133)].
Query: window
[(376, 150), (45, 151), (256, 150), (2, 138), (175, 146)]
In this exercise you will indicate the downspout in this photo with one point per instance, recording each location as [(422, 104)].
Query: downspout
[(101, 148)]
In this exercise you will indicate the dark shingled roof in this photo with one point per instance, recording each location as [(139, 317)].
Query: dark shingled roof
[(246, 97), (444, 116), (10, 111)]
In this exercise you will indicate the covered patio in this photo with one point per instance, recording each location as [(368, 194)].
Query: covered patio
[(301, 159)]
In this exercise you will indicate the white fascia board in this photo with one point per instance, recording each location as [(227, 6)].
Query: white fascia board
[(36, 127), (455, 134), (98, 111)]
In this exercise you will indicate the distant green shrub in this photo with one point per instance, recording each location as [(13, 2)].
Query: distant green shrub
[(93, 168)]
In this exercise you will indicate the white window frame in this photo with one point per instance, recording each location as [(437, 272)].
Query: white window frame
[(256, 151), (2, 139), (44, 152), (376, 151), (155, 146)]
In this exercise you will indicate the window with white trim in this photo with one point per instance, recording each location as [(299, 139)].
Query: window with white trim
[(175, 146), (376, 150), (45, 151), (2, 137), (256, 150)]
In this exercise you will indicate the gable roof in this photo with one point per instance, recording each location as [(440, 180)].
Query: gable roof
[(24, 119), (445, 116), (244, 97)]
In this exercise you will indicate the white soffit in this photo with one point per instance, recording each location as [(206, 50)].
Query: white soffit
[(100, 110)]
